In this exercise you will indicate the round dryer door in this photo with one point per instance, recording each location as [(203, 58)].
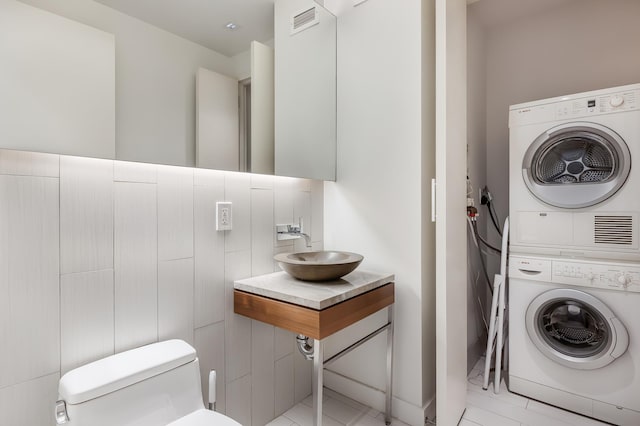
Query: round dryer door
[(575, 329), (576, 165)]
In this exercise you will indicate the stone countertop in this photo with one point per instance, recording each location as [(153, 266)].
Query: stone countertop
[(319, 295)]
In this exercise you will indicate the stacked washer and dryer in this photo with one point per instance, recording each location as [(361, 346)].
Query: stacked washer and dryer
[(574, 269)]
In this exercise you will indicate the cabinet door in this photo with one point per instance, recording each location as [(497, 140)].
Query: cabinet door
[(306, 90), (262, 105), (217, 128)]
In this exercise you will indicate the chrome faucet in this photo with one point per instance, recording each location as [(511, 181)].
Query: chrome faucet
[(290, 232)]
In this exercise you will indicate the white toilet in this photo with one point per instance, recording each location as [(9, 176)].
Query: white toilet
[(154, 385)]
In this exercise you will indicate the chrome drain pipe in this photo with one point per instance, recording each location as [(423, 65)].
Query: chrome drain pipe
[(304, 347)]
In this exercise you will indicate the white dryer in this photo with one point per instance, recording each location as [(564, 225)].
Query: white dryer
[(575, 175), (574, 337)]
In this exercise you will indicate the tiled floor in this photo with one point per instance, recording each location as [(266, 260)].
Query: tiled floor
[(484, 408), (338, 410)]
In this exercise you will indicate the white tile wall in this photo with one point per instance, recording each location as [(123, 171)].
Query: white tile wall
[(175, 219), (209, 255), (302, 370), (262, 373), (136, 265), (302, 210), (262, 181), (173, 175), (284, 392), (239, 399), (86, 214), (285, 343), (30, 403), (283, 194), (86, 318), (303, 185), (207, 177), (124, 171), (238, 191), (238, 335), (29, 163), (262, 231), (29, 278), (101, 256), (175, 300), (209, 343)]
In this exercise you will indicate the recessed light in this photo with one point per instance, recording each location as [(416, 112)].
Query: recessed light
[(231, 26)]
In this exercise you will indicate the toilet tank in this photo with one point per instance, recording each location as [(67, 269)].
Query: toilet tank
[(148, 386)]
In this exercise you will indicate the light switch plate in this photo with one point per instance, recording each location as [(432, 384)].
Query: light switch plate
[(224, 216)]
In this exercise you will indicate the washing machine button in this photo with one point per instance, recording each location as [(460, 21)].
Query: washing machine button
[(616, 101), (624, 280)]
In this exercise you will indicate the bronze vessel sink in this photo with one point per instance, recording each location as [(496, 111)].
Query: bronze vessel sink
[(318, 265)]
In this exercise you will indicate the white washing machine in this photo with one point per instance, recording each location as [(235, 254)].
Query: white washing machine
[(574, 337), (575, 175)]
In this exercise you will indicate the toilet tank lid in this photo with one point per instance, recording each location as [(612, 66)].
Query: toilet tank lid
[(124, 369)]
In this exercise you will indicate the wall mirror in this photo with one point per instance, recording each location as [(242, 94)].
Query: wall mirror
[(231, 85)]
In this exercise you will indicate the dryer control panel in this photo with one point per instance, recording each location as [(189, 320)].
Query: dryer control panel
[(581, 105), (613, 276)]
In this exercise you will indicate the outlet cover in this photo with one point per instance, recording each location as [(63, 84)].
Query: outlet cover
[(224, 216)]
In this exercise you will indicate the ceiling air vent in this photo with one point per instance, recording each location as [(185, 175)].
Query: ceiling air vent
[(303, 20), (613, 230)]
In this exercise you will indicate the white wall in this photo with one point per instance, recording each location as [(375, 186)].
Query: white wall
[(375, 206), (155, 82), (100, 256), (476, 163), (583, 45)]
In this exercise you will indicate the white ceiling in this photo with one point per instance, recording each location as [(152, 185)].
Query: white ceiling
[(203, 21), (498, 12)]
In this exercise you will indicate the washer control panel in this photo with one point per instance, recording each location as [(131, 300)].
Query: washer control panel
[(611, 276)]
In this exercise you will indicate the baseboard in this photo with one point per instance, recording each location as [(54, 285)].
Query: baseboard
[(375, 398)]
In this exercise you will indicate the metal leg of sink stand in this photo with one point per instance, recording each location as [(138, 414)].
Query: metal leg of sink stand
[(318, 368), (387, 414)]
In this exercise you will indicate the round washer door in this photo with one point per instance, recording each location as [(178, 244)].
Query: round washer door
[(576, 165), (575, 329)]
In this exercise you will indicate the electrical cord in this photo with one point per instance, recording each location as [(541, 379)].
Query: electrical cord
[(496, 250), (475, 282), (486, 200), (474, 233), (475, 242), (494, 217)]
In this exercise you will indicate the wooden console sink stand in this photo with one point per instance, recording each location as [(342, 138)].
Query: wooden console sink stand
[(317, 310)]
